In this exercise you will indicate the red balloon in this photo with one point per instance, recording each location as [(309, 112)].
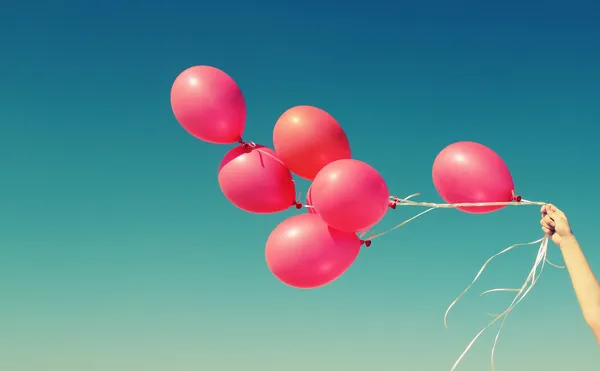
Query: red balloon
[(307, 138), (469, 172), (350, 195), (304, 252), (209, 105), (255, 180)]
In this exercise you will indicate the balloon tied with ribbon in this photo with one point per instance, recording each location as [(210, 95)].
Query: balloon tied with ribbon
[(246, 145)]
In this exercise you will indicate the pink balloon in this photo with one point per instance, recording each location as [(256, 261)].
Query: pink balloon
[(255, 180), (209, 105), (469, 172), (350, 195), (307, 138), (304, 252), (311, 210)]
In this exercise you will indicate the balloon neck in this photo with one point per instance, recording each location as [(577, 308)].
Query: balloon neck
[(246, 145), (515, 197), (393, 204), (298, 205), (367, 243)]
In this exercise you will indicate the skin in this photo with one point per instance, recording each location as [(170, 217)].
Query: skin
[(587, 288)]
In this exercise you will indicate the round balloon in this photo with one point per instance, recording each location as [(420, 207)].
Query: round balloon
[(350, 195), (304, 252), (255, 180), (307, 138), (469, 172), (209, 105)]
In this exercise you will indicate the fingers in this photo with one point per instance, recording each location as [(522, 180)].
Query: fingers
[(547, 222), (547, 225), (553, 210)]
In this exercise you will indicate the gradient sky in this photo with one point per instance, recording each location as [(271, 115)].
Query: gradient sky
[(119, 253)]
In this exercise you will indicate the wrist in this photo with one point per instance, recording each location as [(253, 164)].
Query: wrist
[(567, 240)]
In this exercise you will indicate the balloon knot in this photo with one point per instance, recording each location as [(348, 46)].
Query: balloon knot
[(392, 204), (298, 205), (367, 243), (246, 145), (515, 197)]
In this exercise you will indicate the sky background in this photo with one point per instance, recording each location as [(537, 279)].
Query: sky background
[(119, 253)]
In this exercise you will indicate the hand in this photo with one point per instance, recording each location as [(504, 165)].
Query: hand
[(555, 224)]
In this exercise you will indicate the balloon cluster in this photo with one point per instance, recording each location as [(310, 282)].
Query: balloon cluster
[(347, 197)]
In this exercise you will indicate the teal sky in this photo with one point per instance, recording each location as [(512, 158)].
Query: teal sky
[(119, 253)]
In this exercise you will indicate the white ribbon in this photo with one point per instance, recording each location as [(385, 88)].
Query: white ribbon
[(530, 281), (521, 292)]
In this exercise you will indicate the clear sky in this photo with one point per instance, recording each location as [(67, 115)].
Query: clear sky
[(119, 253)]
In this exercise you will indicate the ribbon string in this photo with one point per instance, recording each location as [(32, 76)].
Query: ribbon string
[(530, 281), (432, 206), (521, 292)]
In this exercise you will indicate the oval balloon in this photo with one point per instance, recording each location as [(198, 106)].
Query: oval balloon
[(311, 210), (469, 172), (209, 105), (255, 180), (304, 252), (307, 138), (350, 195)]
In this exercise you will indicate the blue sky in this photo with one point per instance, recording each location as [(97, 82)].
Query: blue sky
[(120, 253)]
